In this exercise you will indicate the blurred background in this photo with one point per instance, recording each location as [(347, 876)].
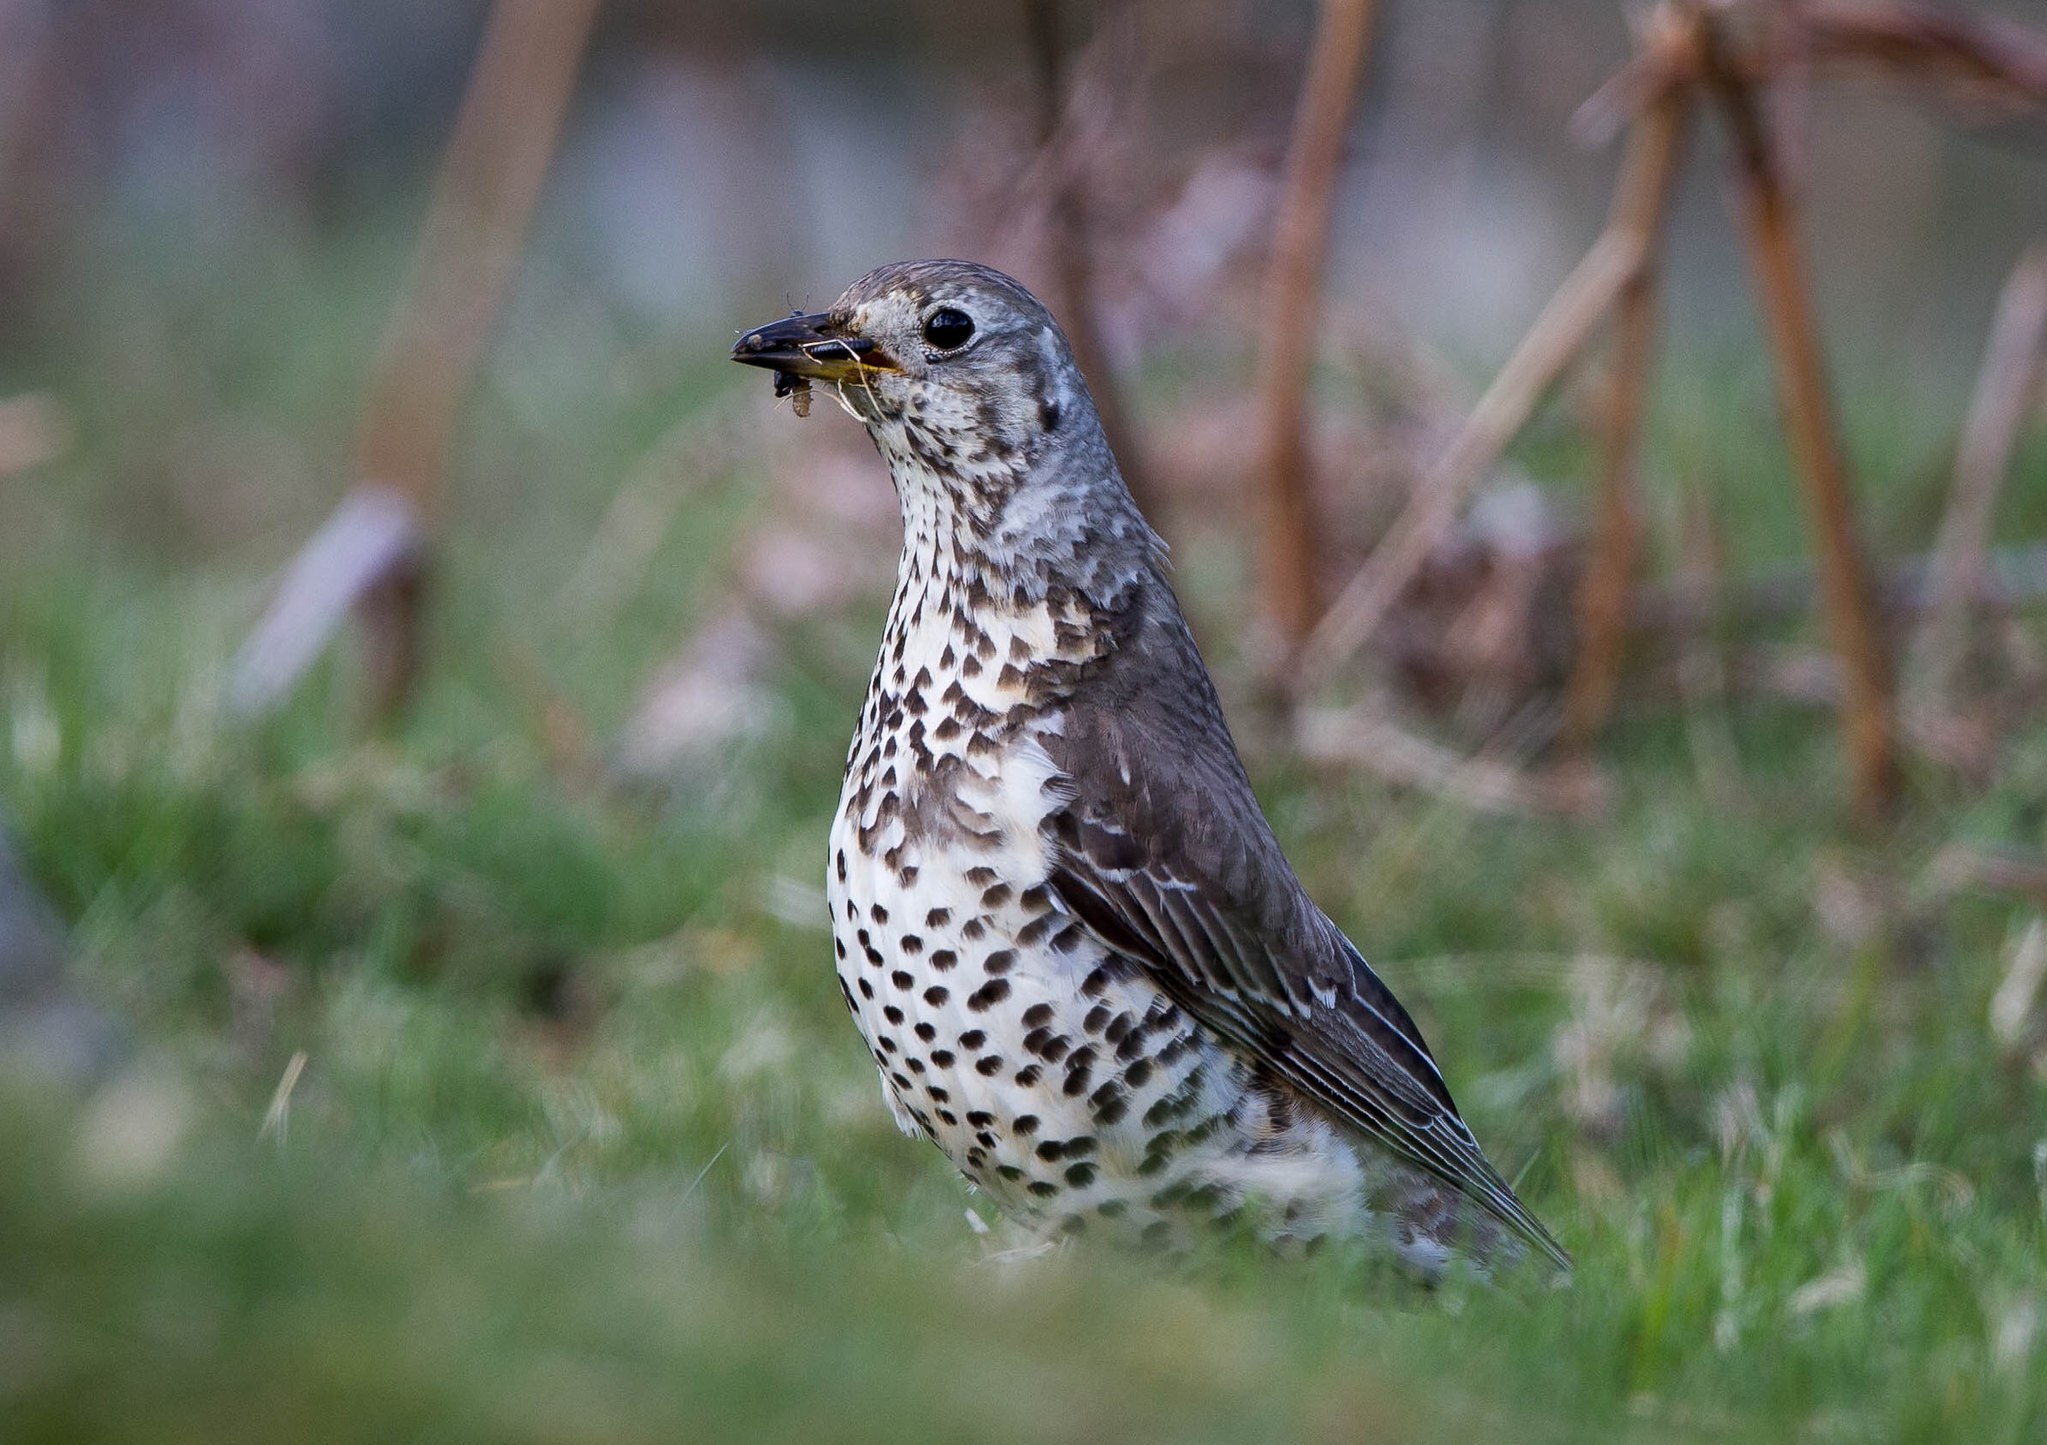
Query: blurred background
[(443, 1014)]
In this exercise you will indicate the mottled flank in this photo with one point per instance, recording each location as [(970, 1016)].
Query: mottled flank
[(1082, 964)]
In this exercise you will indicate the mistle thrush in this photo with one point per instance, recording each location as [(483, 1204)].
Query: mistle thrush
[(1082, 964)]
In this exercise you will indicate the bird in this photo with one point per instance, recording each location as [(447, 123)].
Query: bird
[(1065, 928)]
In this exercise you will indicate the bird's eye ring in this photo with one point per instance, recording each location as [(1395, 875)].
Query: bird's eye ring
[(948, 328)]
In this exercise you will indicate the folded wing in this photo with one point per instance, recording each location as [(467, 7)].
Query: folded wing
[(1160, 848)]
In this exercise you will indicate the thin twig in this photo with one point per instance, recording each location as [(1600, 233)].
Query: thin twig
[(1702, 665), (1293, 286), (1991, 67), (1552, 344), (469, 255), (2004, 392), (1640, 207), (1963, 866), (1355, 737), (1771, 232)]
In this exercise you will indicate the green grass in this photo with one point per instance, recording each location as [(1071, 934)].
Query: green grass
[(584, 1147)]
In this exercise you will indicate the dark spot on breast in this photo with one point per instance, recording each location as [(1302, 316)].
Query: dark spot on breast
[(901, 979), (938, 918), (973, 1039), (988, 1067), (911, 944), (944, 959), (937, 994), (988, 995), (926, 1032)]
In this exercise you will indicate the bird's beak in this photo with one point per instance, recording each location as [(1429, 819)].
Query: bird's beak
[(810, 346)]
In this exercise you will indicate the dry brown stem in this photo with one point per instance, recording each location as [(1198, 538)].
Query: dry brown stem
[(1960, 571), (1988, 67), (1560, 333), (1356, 737), (469, 253), (1771, 232), (1962, 866), (1702, 662), (1640, 208), (1293, 287)]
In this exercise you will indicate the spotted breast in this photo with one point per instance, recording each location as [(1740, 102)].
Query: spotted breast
[(1063, 925)]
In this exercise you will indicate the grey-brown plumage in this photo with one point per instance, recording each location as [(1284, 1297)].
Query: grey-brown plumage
[(1079, 957)]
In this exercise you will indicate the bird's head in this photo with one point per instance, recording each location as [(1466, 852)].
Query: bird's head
[(955, 368)]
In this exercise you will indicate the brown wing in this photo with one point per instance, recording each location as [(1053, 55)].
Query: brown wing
[(1161, 849)]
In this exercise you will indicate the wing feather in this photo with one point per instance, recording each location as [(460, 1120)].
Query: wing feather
[(1160, 849)]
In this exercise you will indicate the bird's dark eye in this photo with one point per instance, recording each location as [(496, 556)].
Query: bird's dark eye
[(948, 328)]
